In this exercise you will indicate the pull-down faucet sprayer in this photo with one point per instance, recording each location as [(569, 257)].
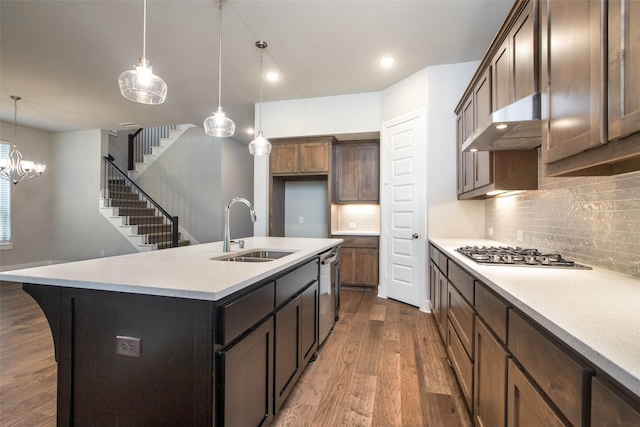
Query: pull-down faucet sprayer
[(226, 245)]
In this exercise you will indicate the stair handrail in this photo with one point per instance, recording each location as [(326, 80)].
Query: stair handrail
[(142, 140), (157, 207)]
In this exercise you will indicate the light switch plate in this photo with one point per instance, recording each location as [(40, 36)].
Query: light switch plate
[(352, 225), (520, 235)]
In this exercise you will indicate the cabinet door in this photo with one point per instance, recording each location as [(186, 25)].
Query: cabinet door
[(624, 68), (526, 406), (442, 304), (314, 157), (467, 157), (246, 375), (347, 266), (610, 408), (287, 350), (483, 168), (347, 175), (366, 266), (501, 77), (483, 103), (369, 173), (524, 53), (433, 278), (309, 319), (571, 56), (490, 378), (284, 158), (459, 154)]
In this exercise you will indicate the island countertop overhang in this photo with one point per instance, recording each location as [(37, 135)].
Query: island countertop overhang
[(183, 272)]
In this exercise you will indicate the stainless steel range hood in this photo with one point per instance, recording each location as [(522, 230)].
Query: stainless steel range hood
[(517, 126)]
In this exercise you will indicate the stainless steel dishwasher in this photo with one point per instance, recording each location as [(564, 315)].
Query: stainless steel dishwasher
[(329, 262)]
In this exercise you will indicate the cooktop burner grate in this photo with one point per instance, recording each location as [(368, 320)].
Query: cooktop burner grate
[(508, 255)]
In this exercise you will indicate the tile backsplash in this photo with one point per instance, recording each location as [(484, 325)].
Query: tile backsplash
[(594, 220), (355, 218)]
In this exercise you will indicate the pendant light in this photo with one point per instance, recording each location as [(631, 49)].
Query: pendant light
[(219, 124), (13, 168), (140, 84), (260, 146)]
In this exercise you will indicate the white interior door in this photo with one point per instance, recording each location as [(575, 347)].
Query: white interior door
[(403, 217)]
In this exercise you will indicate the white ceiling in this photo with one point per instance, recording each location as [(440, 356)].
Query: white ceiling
[(64, 57)]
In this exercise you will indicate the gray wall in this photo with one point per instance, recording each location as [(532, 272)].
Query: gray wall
[(595, 220), (191, 180), (309, 200)]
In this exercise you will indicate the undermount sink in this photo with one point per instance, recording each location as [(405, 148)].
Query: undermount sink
[(257, 255)]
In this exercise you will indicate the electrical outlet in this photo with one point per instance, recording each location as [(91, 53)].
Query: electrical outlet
[(300, 220), (520, 235), (490, 231), (128, 346), (352, 225)]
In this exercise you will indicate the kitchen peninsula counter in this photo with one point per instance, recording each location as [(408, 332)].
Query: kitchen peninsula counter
[(594, 312), (183, 272)]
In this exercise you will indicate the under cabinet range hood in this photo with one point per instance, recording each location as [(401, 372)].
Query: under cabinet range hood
[(517, 126)]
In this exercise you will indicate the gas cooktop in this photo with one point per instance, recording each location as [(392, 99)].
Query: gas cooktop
[(508, 255)]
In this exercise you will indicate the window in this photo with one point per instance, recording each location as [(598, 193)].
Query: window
[(5, 202)]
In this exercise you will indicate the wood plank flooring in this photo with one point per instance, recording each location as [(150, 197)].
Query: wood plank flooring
[(383, 365)]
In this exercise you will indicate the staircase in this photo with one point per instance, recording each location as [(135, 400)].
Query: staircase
[(135, 215), (150, 144)]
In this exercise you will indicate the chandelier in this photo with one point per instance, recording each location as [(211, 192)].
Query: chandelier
[(14, 168)]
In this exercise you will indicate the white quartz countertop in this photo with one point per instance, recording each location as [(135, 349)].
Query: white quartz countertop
[(596, 312), (183, 272)]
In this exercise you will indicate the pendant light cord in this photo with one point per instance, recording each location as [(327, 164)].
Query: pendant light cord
[(15, 119), (260, 122), (144, 28), (220, 55)]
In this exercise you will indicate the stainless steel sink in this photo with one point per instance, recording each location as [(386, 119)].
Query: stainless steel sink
[(256, 255)]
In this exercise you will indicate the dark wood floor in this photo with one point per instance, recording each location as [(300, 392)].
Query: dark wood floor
[(383, 365)]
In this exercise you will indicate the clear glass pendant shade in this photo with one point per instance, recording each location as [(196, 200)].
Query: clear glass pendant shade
[(141, 85), (260, 146), (219, 124)]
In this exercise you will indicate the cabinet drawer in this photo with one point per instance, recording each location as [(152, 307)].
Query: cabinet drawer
[(462, 364), (434, 254), (610, 408), (443, 262), (358, 241), (461, 315), (461, 280), (557, 373), (492, 310), (239, 315), (290, 284)]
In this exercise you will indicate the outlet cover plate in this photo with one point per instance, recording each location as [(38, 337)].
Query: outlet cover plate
[(128, 346)]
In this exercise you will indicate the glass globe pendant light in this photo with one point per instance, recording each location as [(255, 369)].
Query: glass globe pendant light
[(260, 146), (219, 124), (140, 84)]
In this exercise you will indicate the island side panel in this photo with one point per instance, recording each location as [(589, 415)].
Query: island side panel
[(170, 383)]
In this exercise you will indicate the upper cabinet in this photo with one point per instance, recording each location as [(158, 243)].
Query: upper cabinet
[(357, 172), (590, 64), (292, 156)]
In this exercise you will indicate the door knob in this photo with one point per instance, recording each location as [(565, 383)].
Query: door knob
[(415, 235)]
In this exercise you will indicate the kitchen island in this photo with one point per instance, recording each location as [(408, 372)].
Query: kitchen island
[(174, 337), (571, 335)]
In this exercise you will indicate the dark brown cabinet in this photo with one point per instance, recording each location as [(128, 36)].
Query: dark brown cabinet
[(292, 156), (592, 97), (246, 379), (357, 176), (609, 407), (359, 261), (526, 405), (490, 378)]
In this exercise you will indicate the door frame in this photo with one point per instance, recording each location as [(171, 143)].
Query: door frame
[(385, 247)]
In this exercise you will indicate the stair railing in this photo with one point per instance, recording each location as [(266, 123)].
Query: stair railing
[(141, 141), (152, 220)]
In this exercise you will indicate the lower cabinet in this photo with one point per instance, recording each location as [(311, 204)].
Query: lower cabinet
[(296, 341), (490, 378), (527, 406), (246, 379), (359, 261)]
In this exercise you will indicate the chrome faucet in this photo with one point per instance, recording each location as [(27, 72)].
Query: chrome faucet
[(226, 245)]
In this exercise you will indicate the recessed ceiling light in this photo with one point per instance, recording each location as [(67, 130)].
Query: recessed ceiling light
[(501, 126), (251, 131), (273, 76), (387, 61)]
